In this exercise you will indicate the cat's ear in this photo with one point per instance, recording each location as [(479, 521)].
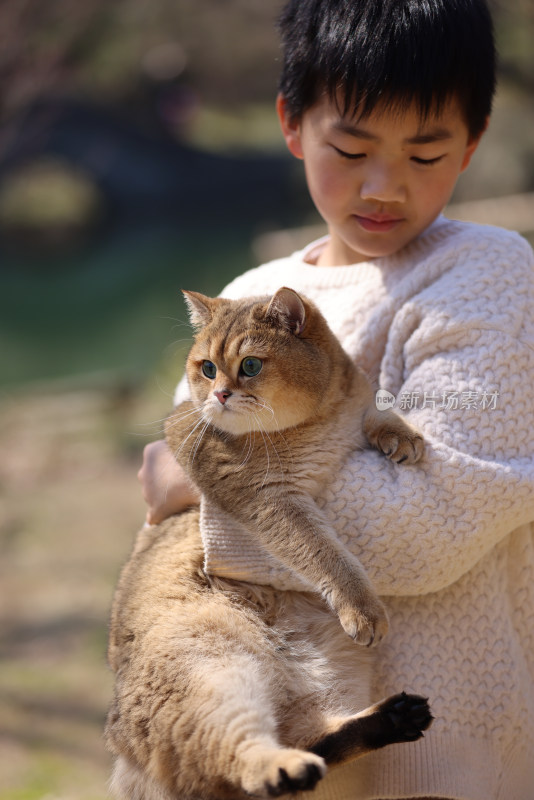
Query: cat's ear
[(287, 308), (200, 308)]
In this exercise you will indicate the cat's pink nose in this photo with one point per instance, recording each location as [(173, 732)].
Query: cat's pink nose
[(222, 395)]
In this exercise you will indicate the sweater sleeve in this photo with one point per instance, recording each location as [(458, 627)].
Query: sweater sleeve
[(464, 378)]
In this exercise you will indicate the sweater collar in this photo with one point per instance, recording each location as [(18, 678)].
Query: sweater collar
[(439, 228)]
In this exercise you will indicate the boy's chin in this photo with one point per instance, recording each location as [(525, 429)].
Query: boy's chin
[(356, 249)]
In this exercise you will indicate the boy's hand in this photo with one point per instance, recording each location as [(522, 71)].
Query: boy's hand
[(166, 488)]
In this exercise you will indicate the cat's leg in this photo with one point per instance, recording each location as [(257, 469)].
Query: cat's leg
[(400, 718), (130, 782), (393, 436), (235, 730), (216, 736)]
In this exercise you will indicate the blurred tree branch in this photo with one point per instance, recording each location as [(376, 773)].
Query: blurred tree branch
[(41, 44), (514, 25), (97, 46)]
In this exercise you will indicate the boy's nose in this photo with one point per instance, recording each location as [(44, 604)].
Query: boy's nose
[(383, 185)]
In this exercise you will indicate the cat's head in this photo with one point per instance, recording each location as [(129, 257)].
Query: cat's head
[(261, 364)]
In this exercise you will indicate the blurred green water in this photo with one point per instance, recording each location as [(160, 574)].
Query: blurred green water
[(114, 311)]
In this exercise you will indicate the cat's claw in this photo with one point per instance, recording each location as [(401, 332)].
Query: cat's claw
[(289, 785), (283, 772), (367, 630), (407, 715), (401, 448)]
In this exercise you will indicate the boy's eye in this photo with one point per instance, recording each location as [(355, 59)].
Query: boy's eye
[(209, 369), (426, 161), (344, 154), (251, 366)]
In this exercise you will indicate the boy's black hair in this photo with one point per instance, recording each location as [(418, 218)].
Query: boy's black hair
[(397, 51)]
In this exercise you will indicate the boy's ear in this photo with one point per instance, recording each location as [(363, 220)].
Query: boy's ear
[(291, 128), (472, 145)]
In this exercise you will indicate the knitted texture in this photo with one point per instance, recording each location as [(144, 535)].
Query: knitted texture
[(446, 326)]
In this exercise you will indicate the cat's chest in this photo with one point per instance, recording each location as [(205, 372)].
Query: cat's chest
[(306, 457), (311, 457)]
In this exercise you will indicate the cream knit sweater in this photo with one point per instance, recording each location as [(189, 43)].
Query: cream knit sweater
[(447, 326)]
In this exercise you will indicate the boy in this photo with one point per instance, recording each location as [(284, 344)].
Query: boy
[(385, 102)]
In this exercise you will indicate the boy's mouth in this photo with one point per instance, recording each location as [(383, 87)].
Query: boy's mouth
[(377, 222)]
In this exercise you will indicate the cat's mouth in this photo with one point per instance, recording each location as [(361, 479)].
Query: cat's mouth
[(228, 403), (237, 415), (227, 418), (233, 402), (214, 410)]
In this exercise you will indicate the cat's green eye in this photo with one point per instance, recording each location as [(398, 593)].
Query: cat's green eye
[(209, 369), (251, 366)]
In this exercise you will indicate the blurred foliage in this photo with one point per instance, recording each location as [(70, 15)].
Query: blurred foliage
[(227, 50), (47, 202), (514, 26)]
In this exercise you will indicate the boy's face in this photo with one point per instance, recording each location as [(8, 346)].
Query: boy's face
[(377, 182)]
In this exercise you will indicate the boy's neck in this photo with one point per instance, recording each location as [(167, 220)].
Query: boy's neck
[(334, 254)]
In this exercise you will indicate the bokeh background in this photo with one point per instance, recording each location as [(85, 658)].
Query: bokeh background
[(139, 154)]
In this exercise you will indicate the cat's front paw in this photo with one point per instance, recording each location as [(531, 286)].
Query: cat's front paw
[(402, 447), (367, 623)]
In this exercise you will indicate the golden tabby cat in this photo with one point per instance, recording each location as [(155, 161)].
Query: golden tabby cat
[(226, 689)]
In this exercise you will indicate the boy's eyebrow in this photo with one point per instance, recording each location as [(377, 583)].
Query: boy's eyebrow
[(435, 135)]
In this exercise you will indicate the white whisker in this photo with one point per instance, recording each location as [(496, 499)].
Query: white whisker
[(265, 436), (197, 443), (264, 405), (148, 434), (249, 444), (266, 451), (259, 401), (275, 452), (176, 419), (157, 426), (179, 450)]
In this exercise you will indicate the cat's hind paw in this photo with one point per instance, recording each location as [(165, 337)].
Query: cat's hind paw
[(405, 717), (284, 771)]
